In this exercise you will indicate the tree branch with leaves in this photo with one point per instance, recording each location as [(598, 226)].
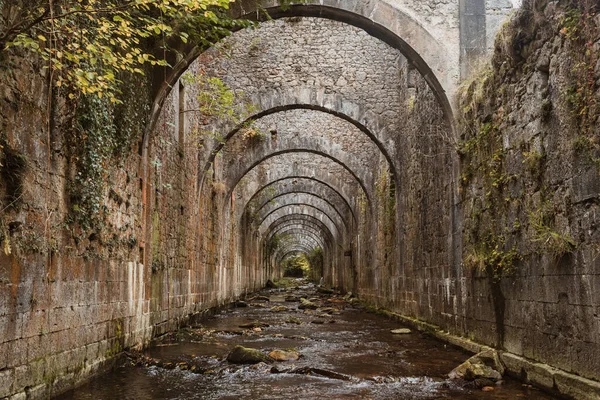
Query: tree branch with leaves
[(89, 43)]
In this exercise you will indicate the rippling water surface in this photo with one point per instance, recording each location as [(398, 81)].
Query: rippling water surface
[(352, 342)]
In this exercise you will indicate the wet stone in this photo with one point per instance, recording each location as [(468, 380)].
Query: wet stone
[(244, 355), (283, 355), (325, 290), (354, 356), (401, 331), (254, 324), (307, 305), (485, 365)]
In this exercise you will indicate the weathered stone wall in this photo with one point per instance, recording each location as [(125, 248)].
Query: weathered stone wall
[(73, 297), (68, 302), (404, 218), (530, 190), (180, 238)]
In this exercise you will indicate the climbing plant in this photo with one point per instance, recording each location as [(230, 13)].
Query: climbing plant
[(579, 28), (511, 209), (89, 43)]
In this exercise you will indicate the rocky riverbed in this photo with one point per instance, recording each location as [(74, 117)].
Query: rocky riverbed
[(301, 342)]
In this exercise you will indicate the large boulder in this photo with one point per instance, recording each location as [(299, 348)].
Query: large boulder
[(486, 365), (244, 355)]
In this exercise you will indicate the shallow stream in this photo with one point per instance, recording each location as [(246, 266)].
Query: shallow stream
[(366, 360)]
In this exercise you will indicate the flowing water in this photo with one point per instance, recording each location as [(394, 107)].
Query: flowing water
[(361, 358)]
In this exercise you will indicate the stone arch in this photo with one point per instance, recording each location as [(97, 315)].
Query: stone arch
[(309, 99), (337, 222), (232, 182), (296, 248), (436, 63), (303, 184), (284, 256), (308, 242), (301, 198), (296, 224), (296, 210), (296, 232), (296, 218)]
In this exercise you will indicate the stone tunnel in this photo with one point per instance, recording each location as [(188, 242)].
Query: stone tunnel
[(346, 134)]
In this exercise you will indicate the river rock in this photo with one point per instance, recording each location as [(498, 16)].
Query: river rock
[(307, 305), (329, 310), (486, 365), (291, 299), (293, 320), (260, 298), (279, 308), (282, 355), (325, 290), (270, 284), (401, 331), (244, 355), (254, 324), (261, 366)]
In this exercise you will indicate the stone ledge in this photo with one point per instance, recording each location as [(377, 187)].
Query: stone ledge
[(546, 377)]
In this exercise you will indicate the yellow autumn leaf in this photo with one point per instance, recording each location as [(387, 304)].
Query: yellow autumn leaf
[(7, 249)]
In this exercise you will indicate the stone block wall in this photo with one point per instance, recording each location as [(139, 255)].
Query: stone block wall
[(521, 180), (530, 192)]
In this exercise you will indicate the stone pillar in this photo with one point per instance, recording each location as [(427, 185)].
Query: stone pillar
[(472, 35)]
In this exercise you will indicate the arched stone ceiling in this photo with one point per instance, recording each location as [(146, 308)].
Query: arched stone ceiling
[(322, 208), (273, 171), (304, 165), (295, 224), (305, 243), (363, 177), (438, 64), (299, 185), (295, 249), (294, 233), (302, 198), (296, 227), (306, 210), (296, 121), (300, 218)]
